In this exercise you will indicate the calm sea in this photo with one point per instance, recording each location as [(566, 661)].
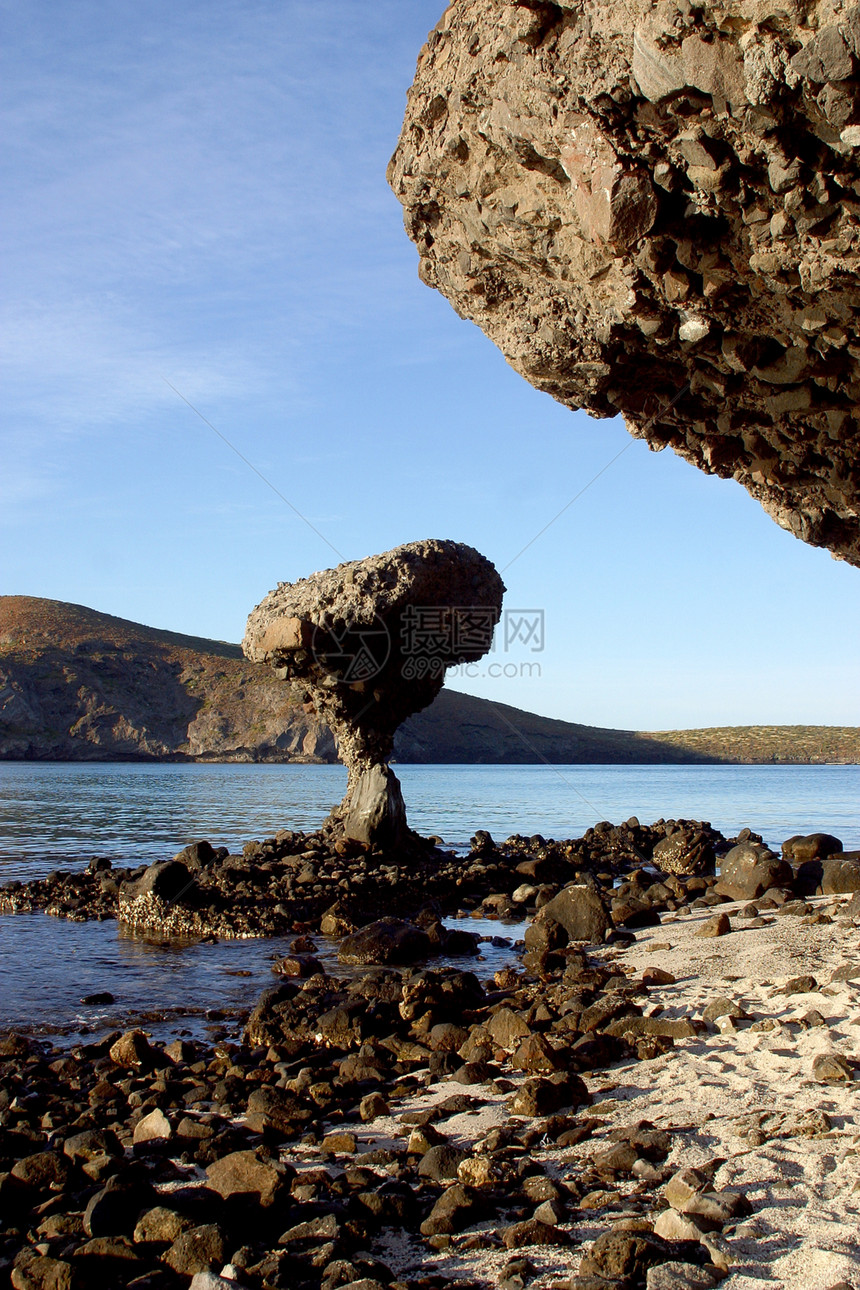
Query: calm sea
[(60, 815)]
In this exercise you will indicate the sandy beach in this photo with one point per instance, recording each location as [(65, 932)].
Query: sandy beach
[(742, 1097)]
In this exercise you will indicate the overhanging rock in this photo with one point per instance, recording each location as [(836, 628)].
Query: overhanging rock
[(654, 210)]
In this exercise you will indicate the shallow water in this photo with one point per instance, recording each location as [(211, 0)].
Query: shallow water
[(47, 965), (60, 815)]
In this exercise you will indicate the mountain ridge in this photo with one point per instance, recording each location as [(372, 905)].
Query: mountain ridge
[(80, 685)]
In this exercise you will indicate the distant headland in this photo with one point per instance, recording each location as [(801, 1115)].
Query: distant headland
[(79, 685)]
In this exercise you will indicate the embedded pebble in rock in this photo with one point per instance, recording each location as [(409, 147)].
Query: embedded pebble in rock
[(678, 1276), (154, 1127), (650, 209), (831, 1068), (369, 642), (719, 925)]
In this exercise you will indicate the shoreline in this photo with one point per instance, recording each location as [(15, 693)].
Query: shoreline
[(383, 1129), (411, 1126)]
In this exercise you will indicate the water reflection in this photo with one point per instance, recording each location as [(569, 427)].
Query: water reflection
[(48, 965), (59, 815)]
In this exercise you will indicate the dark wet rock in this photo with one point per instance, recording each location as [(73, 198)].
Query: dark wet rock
[(749, 870), (632, 912), (541, 1095), (440, 995), (278, 1111), (244, 1174), (812, 846), (199, 855), (115, 1209), (297, 965), (457, 1208), (581, 911), (388, 940), (596, 1052), (170, 880)]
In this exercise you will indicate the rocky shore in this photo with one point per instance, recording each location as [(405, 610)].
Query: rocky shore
[(637, 1103)]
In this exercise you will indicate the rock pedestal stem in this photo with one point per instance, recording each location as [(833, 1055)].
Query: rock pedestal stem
[(369, 643)]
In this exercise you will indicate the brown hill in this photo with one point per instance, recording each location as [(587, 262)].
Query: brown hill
[(80, 685)]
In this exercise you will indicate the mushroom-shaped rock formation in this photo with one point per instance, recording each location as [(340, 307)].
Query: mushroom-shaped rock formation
[(370, 642), (654, 209)]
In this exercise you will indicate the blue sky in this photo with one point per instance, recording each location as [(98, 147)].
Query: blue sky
[(196, 194)]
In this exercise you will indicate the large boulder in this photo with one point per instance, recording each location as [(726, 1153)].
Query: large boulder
[(749, 869), (368, 644), (246, 1174), (578, 910), (650, 209), (840, 874), (821, 866), (168, 879), (388, 940), (811, 846), (686, 851)]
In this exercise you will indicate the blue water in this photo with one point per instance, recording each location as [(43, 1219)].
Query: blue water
[(59, 815), (54, 815)]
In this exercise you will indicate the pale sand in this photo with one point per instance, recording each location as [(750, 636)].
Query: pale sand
[(712, 1091)]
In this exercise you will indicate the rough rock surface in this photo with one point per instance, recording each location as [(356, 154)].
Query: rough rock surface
[(652, 209), (370, 641)]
